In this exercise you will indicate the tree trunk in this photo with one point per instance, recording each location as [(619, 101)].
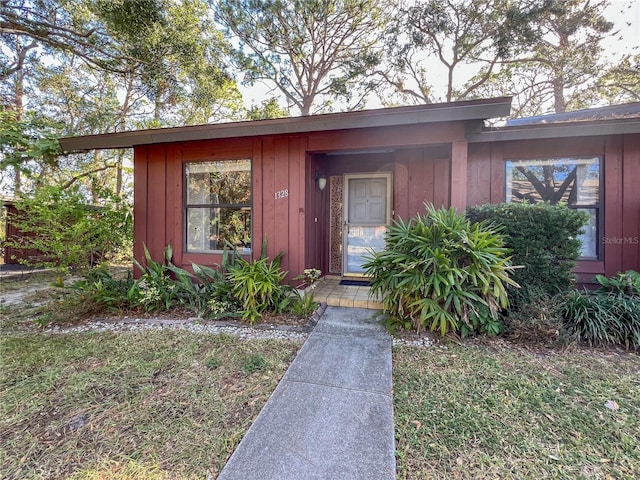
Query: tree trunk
[(119, 173), (559, 103), (18, 91)]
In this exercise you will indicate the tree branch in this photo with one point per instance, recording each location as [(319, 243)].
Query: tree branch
[(72, 180)]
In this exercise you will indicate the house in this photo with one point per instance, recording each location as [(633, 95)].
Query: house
[(322, 188), (11, 254)]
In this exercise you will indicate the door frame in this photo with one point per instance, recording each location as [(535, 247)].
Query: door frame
[(345, 210)]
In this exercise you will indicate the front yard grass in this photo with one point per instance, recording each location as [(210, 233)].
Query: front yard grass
[(480, 412), (152, 405)]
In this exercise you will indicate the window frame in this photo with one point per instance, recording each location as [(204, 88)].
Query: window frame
[(239, 206), (599, 207)]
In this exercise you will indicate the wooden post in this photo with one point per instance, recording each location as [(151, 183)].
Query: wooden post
[(458, 193)]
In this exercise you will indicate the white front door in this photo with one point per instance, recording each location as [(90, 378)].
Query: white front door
[(367, 212)]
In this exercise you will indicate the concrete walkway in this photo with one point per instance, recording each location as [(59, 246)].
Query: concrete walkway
[(331, 415)]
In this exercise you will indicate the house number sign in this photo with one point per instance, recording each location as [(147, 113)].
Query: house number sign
[(282, 194)]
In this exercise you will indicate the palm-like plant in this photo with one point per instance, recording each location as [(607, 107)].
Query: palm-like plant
[(442, 272)]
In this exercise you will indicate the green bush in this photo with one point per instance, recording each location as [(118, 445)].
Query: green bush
[(440, 271), (253, 287), (69, 233), (105, 291), (162, 286), (609, 315), (155, 290), (627, 283), (258, 286), (544, 241)]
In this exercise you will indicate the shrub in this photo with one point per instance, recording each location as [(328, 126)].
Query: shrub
[(257, 285), (627, 283), (537, 321), (251, 286), (155, 290), (107, 292), (304, 303), (161, 286), (69, 233), (544, 241), (609, 315), (442, 272)]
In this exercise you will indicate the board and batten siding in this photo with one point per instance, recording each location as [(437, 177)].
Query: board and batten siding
[(422, 176), (620, 178), (277, 165), (419, 157)]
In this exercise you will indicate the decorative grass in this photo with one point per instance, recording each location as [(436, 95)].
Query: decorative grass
[(485, 413), (152, 405)]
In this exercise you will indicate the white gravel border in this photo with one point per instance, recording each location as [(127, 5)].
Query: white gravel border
[(188, 326), (193, 326), (196, 325)]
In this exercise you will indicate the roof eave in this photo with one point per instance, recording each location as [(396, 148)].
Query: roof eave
[(448, 112), (556, 130)]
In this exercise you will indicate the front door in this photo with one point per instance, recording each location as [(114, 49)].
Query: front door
[(367, 212)]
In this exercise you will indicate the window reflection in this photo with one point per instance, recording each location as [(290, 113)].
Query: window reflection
[(218, 205), (573, 181)]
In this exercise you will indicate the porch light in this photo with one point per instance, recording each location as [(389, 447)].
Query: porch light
[(321, 179)]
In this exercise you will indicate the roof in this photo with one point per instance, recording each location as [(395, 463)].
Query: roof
[(557, 130), (626, 110), (438, 112), (615, 120)]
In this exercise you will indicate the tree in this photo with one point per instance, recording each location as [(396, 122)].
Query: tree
[(313, 51), (561, 71), (28, 145), (621, 83), (268, 108), (61, 25), (454, 37), (178, 56), (165, 66), (69, 233)]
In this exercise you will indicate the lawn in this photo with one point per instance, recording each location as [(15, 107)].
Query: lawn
[(163, 405), (479, 412), (152, 405)]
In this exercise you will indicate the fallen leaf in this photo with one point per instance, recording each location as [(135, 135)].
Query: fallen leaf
[(611, 405), (416, 423)]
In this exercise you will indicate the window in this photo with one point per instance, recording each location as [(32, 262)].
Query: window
[(218, 205), (574, 181)]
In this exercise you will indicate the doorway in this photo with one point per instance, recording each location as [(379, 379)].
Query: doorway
[(367, 212)]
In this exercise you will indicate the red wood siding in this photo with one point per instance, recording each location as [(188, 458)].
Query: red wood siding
[(429, 162), (479, 171), (12, 256), (283, 218), (278, 163), (631, 202), (423, 177), (459, 175), (141, 186), (401, 136), (620, 204), (316, 201)]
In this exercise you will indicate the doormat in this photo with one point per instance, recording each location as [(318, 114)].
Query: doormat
[(355, 283)]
